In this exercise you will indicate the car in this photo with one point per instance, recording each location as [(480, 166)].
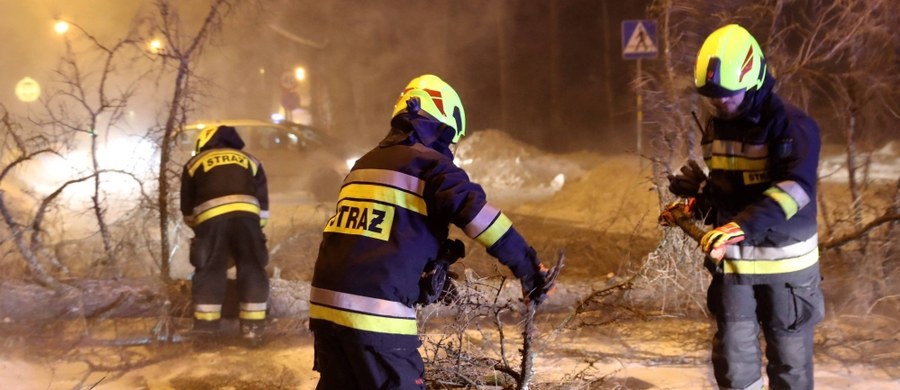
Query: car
[(296, 157)]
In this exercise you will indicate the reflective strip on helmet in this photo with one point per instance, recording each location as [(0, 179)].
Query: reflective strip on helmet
[(362, 321), (389, 178), (380, 193), (769, 267), (228, 208), (216, 157), (360, 303), (497, 227), (206, 312), (748, 252)]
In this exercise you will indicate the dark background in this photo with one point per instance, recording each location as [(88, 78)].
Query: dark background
[(548, 72)]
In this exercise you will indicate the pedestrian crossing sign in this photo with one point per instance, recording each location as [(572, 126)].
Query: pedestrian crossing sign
[(639, 39)]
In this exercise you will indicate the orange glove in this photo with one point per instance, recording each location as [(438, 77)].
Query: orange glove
[(667, 219), (715, 241)]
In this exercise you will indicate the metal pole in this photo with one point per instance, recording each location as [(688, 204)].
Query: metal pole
[(639, 104)]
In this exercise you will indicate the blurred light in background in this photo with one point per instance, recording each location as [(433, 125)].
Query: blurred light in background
[(28, 90), (277, 117), (155, 46), (60, 27), (300, 73)]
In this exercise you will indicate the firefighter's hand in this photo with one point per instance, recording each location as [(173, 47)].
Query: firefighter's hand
[(690, 182), (535, 287), (715, 241)]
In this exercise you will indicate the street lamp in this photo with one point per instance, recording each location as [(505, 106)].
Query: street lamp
[(300, 73), (60, 27), (155, 46)]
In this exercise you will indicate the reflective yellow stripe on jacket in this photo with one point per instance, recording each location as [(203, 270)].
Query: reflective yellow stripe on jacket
[(386, 186), (488, 226), (361, 312), (225, 204), (747, 260)]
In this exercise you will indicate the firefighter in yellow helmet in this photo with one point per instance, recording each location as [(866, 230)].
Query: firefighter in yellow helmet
[(224, 198), (760, 194), (390, 226)]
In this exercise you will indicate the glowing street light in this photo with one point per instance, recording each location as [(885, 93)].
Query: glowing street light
[(300, 73), (28, 90), (60, 27), (155, 46)]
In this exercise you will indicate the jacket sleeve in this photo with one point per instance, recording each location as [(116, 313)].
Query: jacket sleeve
[(794, 160), (464, 204), (187, 197), (262, 194)]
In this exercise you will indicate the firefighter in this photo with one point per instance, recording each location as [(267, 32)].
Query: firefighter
[(760, 194), (393, 214), (224, 198)]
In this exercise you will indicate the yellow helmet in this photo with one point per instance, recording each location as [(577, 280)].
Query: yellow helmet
[(729, 62), (205, 135), (437, 99)]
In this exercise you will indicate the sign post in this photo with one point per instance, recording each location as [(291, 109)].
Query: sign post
[(638, 42)]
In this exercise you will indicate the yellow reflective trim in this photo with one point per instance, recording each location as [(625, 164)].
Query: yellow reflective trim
[(493, 233), (216, 157), (785, 200), (769, 267), (379, 193), (228, 208), (252, 315), (368, 219), (734, 163), (207, 316), (361, 321)]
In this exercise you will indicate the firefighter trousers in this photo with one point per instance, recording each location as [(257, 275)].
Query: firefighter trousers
[(216, 243), (788, 313), (344, 364)]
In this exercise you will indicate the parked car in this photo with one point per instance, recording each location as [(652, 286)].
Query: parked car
[(296, 157)]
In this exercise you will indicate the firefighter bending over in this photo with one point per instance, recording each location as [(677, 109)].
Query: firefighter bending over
[(393, 214), (762, 155), (224, 198)]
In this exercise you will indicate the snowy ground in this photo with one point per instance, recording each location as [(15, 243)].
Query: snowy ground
[(602, 209)]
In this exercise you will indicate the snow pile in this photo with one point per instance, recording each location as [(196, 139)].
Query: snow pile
[(883, 164), (511, 170)]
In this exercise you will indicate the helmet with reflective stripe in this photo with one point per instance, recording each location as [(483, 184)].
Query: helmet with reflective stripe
[(729, 62), (205, 135), (437, 99)]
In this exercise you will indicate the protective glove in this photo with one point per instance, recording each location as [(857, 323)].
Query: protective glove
[(666, 218), (690, 182), (715, 241), (535, 287)]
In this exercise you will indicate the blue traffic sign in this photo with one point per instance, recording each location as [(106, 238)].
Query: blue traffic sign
[(639, 39)]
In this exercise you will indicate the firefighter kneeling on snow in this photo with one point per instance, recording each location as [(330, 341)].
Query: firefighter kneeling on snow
[(224, 198), (392, 218)]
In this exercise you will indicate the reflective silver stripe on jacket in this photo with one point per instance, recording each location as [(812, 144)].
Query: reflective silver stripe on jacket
[(796, 191), (215, 202), (736, 148), (482, 221), (359, 303), (389, 178), (739, 252)]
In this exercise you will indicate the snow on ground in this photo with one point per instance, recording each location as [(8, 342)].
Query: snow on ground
[(590, 194)]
